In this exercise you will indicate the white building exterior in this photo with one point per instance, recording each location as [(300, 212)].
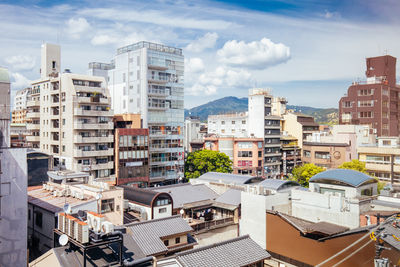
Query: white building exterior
[(192, 132), (148, 79), (235, 125), (20, 99), (70, 118), (264, 124)]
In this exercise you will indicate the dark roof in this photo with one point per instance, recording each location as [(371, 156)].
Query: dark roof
[(344, 176), (236, 252), (230, 197), (139, 195), (183, 194), (147, 235), (226, 178), (277, 184), (307, 227)]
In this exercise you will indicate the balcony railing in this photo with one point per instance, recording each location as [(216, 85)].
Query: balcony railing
[(82, 112)]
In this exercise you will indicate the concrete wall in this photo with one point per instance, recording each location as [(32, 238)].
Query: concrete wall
[(13, 207), (217, 235), (158, 215), (256, 116)]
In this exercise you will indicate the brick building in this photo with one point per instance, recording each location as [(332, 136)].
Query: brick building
[(374, 102)]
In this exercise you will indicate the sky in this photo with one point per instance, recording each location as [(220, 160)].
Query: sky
[(307, 51)]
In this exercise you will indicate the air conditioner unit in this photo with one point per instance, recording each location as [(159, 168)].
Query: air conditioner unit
[(89, 220), (61, 221), (51, 188), (71, 226), (66, 224), (44, 186), (60, 193), (107, 227), (79, 195), (72, 193), (55, 193), (81, 232), (67, 192), (98, 220)]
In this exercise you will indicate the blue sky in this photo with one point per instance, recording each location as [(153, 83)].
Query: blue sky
[(307, 51)]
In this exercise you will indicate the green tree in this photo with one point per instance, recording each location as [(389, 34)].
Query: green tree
[(355, 164), (303, 173), (202, 161)]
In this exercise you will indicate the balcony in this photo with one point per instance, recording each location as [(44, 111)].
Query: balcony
[(33, 138), (31, 126), (157, 79), (82, 112), (33, 103), (156, 92), (90, 89), (273, 126), (31, 115), (93, 153), (157, 107), (93, 139), (94, 126), (94, 166), (90, 100)]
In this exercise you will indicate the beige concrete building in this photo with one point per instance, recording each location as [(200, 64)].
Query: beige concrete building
[(383, 159), (327, 155), (70, 118), (299, 126)]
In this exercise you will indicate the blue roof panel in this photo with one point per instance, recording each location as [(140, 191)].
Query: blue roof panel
[(350, 177)]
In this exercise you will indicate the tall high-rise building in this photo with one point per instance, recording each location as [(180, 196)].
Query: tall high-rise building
[(374, 102), (147, 79), (70, 118), (264, 123)]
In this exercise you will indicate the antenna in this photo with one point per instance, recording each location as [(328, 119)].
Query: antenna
[(67, 208), (63, 240)]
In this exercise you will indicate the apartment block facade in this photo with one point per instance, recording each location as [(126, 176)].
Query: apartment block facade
[(374, 102), (263, 123), (235, 124), (18, 114), (148, 79), (70, 118)]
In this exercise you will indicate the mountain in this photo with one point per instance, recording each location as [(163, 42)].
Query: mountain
[(231, 104)]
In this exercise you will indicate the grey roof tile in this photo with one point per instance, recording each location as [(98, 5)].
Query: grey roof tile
[(350, 177), (236, 252), (231, 197)]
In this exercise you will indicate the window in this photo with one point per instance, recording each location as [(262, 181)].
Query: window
[(39, 219), (245, 154), (107, 205), (63, 121), (347, 104), (307, 154), (53, 64), (123, 77), (166, 243), (233, 122), (322, 155), (363, 92), (366, 114), (63, 148), (259, 154), (223, 131), (223, 122), (243, 122), (162, 210), (386, 142), (177, 240), (366, 103)]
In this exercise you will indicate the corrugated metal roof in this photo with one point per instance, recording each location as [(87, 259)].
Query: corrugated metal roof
[(187, 193), (236, 252), (230, 197), (46, 200), (226, 178), (147, 235), (277, 184), (389, 232), (349, 177), (139, 195)]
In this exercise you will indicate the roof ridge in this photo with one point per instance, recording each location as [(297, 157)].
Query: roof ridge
[(183, 253)]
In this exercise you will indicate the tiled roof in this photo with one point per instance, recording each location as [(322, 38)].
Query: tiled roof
[(236, 252), (350, 177), (187, 193), (139, 195), (46, 200), (230, 197), (147, 235)]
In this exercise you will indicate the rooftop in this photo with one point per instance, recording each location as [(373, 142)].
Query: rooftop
[(276, 184), (230, 197), (187, 193), (147, 235), (226, 178), (151, 46), (142, 196), (46, 200), (236, 252), (342, 176), (324, 144)]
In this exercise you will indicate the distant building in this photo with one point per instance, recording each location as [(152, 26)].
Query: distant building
[(18, 134), (131, 148), (192, 133), (247, 154), (4, 108), (264, 123), (382, 159), (19, 109), (327, 155), (291, 153), (235, 124), (300, 126), (374, 102)]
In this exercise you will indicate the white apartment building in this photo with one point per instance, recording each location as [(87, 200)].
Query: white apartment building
[(263, 123), (235, 124), (148, 79), (191, 132), (20, 99), (70, 118)]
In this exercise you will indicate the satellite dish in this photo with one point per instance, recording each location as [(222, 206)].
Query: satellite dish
[(63, 240), (67, 208), (181, 211), (98, 196), (81, 214)]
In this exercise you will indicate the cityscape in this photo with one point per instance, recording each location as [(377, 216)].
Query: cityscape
[(191, 134)]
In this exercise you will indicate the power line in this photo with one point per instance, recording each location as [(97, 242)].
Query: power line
[(353, 253)]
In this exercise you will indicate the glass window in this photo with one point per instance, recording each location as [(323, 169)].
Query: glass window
[(107, 205)]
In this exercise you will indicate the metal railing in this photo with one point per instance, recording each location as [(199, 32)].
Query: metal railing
[(209, 225)]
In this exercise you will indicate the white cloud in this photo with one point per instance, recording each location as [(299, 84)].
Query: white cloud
[(255, 55), (329, 15), (19, 81), (103, 39), (75, 27), (21, 62), (194, 65), (200, 44), (208, 82)]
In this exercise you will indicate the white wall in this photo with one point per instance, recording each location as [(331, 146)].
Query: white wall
[(256, 115), (158, 215)]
